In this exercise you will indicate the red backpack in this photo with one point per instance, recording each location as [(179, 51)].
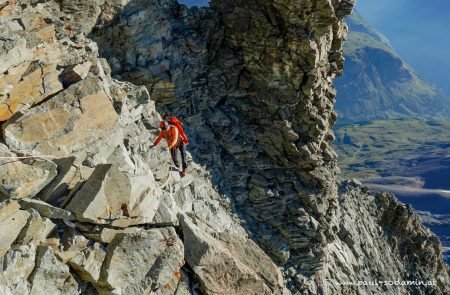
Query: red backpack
[(174, 121)]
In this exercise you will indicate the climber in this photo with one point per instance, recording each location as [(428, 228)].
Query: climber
[(176, 140)]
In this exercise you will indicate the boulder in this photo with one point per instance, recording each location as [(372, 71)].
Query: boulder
[(107, 235), (22, 80), (50, 275), (143, 262), (227, 264), (13, 53), (45, 209), (111, 196), (88, 262), (69, 177), (36, 230), (34, 87), (22, 177), (80, 122), (12, 220), (72, 244), (15, 267)]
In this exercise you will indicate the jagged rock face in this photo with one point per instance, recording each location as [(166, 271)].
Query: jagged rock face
[(93, 209), (106, 214), (380, 239), (155, 262), (256, 90), (253, 79), (37, 55)]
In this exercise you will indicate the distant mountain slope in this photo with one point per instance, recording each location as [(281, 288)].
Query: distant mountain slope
[(416, 24), (377, 83)]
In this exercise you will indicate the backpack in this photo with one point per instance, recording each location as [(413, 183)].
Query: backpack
[(177, 123)]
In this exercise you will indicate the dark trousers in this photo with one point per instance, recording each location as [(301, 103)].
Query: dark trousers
[(173, 153)]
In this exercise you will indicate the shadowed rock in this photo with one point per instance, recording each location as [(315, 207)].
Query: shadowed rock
[(45, 209), (36, 230)]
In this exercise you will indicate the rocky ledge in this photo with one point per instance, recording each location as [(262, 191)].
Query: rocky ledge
[(88, 208)]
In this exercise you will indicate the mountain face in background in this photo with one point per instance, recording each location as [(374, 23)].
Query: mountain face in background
[(418, 31), (377, 83)]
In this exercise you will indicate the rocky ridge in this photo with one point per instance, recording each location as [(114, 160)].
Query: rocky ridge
[(94, 209), (91, 209)]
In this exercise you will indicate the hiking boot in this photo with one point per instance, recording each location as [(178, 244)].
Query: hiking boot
[(183, 172)]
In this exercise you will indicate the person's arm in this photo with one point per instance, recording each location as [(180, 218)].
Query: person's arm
[(174, 138), (158, 139), (184, 137)]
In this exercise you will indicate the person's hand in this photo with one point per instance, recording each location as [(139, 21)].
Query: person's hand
[(152, 146)]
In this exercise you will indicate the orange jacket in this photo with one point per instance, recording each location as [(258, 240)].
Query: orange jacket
[(171, 135)]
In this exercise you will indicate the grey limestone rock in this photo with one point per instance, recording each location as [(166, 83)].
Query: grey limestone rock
[(45, 209), (143, 262), (17, 265), (36, 230), (21, 179), (213, 254), (12, 221), (88, 263), (51, 275)]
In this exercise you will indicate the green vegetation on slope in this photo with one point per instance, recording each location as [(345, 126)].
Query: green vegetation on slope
[(403, 147)]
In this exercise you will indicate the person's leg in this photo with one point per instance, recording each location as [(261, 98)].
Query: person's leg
[(173, 153), (183, 156)]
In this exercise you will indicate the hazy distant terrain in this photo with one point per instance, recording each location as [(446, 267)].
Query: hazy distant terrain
[(418, 30), (378, 84)]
